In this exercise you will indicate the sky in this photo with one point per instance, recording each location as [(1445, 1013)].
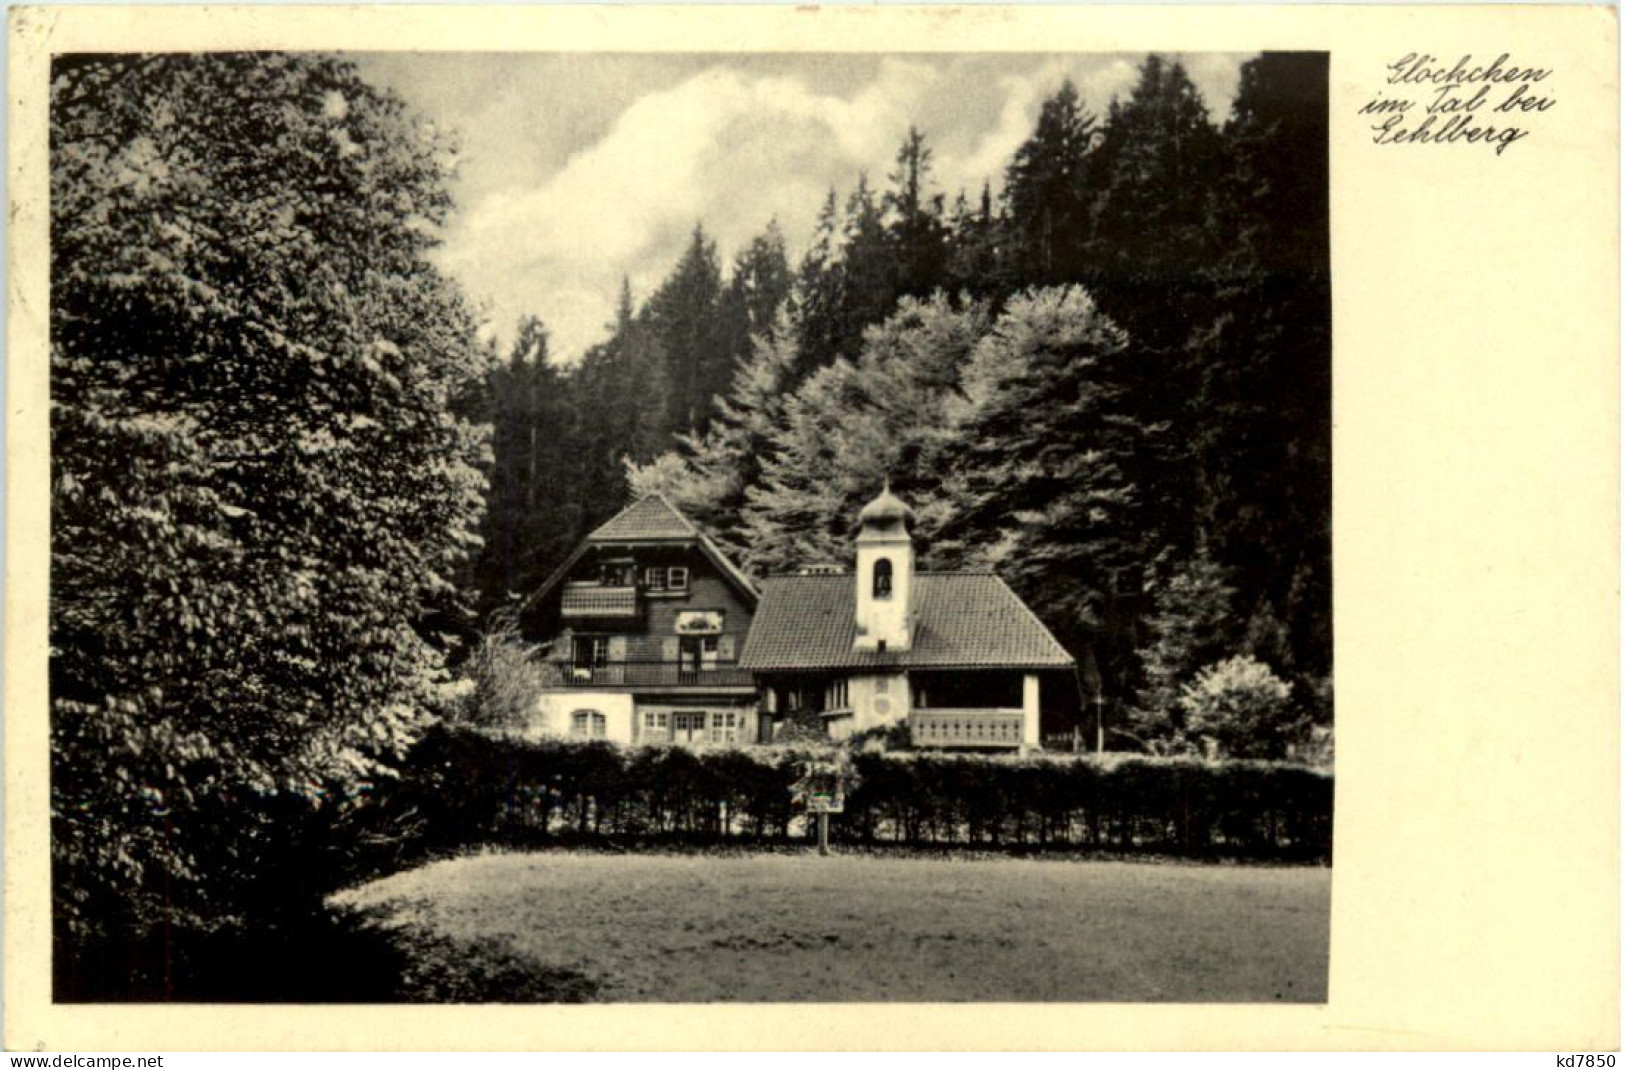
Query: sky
[(578, 169)]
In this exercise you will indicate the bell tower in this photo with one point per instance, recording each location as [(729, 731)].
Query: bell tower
[(885, 574)]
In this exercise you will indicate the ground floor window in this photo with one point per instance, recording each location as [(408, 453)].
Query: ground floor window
[(724, 726), (691, 726), (588, 724)]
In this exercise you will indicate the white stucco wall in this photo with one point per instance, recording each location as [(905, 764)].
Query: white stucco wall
[(877, 700), (553, 712), (884, 619)]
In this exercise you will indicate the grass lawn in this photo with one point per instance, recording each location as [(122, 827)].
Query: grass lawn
[(784, 927)]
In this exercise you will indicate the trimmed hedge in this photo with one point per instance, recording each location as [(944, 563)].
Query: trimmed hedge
[(462, 788)]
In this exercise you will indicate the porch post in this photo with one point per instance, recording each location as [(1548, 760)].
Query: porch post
[(1029, 712)]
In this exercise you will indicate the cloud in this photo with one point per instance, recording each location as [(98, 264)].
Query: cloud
[(733, 146)]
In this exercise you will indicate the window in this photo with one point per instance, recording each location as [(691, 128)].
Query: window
[(617, 574), (677, 578), (656, 725), (882, 583), (836, 696), (882, 684), (697, 653), (654, 579), (591, 650), (724, 726), (588, 724)]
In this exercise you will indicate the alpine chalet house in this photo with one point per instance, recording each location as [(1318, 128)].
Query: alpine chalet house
[(645, 622), (955, 656)]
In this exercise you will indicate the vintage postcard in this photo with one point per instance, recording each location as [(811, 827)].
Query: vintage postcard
[(1103, 518)]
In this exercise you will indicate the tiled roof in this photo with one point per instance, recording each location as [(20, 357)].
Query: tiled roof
[(594, 601), (962, 619), (650, 517)]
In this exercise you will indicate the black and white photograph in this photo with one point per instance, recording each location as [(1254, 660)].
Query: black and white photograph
[(684, 527)]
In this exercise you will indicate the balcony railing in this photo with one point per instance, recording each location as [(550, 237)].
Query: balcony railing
[(592, 601), (651, 674), (965, 728)]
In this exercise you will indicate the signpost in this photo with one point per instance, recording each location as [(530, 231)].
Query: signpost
[(822, 790), (824, 803)]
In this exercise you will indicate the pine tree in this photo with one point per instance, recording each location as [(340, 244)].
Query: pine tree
[(1151, 256), (1154, 174), (1263, 442), (817, 294), (1047, 196), (868, 269), (975, 260), (758, 287), (706, 475), (684, 315), (918, 235), (528, 421)]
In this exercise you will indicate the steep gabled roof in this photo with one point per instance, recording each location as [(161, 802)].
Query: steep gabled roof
[(961, 620), (650, 517)]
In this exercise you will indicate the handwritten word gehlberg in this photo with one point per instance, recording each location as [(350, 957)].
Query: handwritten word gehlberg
[(1444, 104)]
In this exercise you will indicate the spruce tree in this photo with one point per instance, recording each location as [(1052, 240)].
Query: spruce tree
[(1263, 442), (1047, 196), (919, 237)]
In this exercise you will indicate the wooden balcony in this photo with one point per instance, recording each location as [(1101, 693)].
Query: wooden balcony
[(593, 601), (965, 728), (651, 674)]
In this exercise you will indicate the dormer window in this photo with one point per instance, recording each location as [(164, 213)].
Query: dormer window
[(882, 581)]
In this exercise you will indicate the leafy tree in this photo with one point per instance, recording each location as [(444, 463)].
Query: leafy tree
[(1191, 623), (504, 676), (1046, 471), (264, 475), (853, 425), (1240, 709)]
